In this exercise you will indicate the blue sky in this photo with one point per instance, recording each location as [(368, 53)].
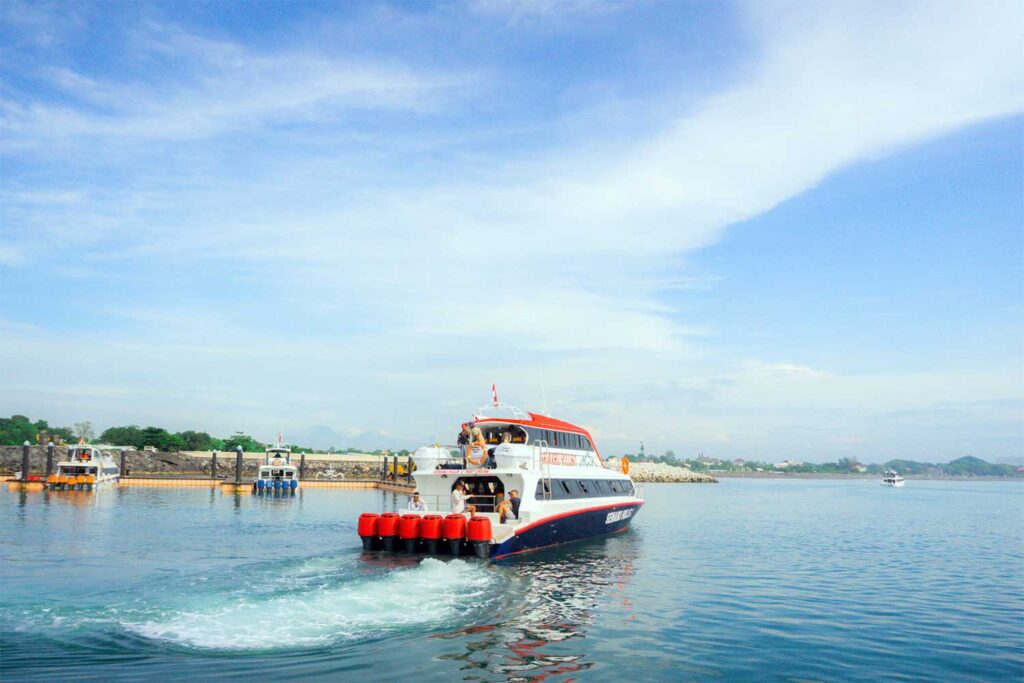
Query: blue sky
[(758, 230)]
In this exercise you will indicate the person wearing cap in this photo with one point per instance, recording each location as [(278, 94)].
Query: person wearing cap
[(416, 503)]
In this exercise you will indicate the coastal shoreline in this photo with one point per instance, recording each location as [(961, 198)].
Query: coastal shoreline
[(872, 477)]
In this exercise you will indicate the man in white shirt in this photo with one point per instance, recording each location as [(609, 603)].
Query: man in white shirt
[(416, 503), (459, 497)]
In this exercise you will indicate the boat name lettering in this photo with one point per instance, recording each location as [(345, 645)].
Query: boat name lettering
[(618, 516), (558, 458)]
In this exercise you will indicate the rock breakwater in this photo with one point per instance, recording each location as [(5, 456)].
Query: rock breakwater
[(656, 472)]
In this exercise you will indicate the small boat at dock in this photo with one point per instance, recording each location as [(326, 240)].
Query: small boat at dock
[(277, 474), (86, 469), (892, 478), (565, 491)]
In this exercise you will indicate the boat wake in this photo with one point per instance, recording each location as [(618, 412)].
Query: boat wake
[(317, 613)]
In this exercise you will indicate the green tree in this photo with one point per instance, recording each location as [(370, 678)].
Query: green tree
[(196, 441), (247, 443), (130, 435), (16, 430)]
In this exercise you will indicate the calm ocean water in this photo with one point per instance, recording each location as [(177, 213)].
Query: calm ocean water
[(744, 580)]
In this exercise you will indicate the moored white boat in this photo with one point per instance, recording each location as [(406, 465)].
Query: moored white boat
[(277, 474), (565, 491), (86, 469), (892, 478)]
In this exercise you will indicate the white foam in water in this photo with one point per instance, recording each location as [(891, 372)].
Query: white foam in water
[(432, 592)]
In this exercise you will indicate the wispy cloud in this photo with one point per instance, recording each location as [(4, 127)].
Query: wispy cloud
[(428, 254), (210, 87)]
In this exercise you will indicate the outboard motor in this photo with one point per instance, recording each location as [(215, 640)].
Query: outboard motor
[(430, 532), (387, 527), (409, 531), (455, 532), (368, 529), (479, 535)]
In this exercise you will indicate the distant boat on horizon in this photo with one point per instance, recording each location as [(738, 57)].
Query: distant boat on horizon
[(892, 478)]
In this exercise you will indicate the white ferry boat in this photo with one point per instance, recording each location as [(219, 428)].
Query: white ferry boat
[(565, 491), (86, 469), (277, 474), (892, 478)]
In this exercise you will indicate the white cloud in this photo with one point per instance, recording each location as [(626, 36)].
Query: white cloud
[(212, 87), (433, 271)]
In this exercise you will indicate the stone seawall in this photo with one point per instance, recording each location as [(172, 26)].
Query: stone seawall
[(656, 472)]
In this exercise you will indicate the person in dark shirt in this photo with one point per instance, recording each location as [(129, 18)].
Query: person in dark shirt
[(513, 497), (463, 442)]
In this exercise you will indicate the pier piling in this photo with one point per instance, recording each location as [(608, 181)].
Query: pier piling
[(49, 458), (302, 466), (213, 466), (238, 466), (24, 460), (124, 463)]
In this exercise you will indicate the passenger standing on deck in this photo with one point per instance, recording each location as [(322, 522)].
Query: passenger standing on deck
[(476, 440), (416, 504), (459, 497), (463, 442)]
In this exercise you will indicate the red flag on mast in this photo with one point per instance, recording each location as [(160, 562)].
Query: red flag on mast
[(494, 394)]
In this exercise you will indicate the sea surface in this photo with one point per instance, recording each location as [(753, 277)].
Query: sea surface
[(744, 580)]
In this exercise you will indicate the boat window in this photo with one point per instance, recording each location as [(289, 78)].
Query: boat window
[(583, 487), (599, 486), (586, 444)]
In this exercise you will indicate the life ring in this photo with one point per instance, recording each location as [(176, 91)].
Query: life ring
[(625, 465), (474, 451)]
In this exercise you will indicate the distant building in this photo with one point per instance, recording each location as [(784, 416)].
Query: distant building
[(857, 467), (739, 462)]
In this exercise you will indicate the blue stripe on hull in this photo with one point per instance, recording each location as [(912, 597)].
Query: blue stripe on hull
[(572, 527)]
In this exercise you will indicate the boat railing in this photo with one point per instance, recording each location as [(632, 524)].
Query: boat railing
[(541, 464), (485, 503)]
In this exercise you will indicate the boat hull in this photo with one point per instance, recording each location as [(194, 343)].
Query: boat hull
[(567, 527)]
